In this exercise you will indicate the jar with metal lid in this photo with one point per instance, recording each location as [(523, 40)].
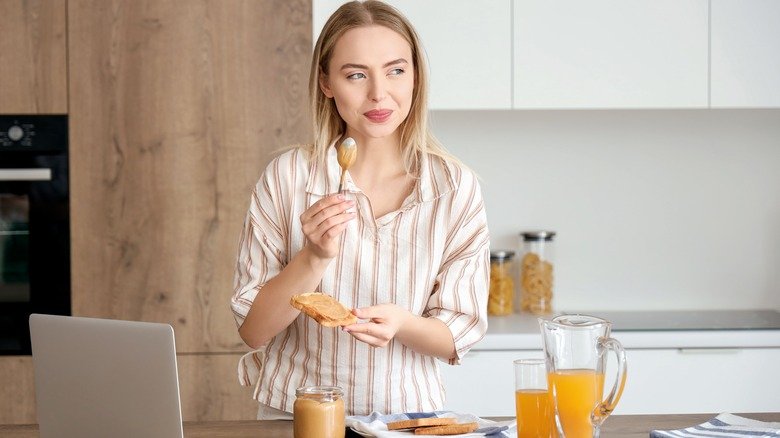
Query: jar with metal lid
[(536, 272), (318, 412), (502, 286)]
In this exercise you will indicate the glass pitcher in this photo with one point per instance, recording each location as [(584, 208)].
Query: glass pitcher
[(575, 350)]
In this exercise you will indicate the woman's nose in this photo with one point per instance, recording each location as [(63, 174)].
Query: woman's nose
[(377, 90)]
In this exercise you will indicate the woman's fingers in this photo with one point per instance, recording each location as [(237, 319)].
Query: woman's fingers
[(370, 333), (326, 206)]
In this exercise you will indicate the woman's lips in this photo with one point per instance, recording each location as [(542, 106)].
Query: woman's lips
[(378, 116)]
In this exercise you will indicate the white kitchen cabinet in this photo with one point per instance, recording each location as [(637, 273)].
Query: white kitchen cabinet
[(610, 54), (745, 53), (660, 381), (468, 46)]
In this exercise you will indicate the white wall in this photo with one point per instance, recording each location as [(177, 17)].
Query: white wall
[(665, 209)]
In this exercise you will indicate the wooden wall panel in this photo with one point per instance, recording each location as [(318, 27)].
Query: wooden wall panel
[(208, 383), (17, 390), (33, 76), (210, 390), (175, 109)]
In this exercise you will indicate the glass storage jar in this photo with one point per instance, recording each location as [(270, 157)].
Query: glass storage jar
[(536, 272), (502, 286), (318, 411)]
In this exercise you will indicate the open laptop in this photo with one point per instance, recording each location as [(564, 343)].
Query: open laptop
[(103, 377)]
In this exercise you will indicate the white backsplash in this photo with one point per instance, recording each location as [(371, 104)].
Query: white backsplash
[(654, 209)]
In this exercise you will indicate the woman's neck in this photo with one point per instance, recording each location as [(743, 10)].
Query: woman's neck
[(377, 159)]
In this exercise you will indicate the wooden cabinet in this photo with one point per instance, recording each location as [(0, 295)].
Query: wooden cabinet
[(468, 47), (17, 390), (209, 388), (175, 109), (33, 77), (745, 70), (660, 381), (610, 54)]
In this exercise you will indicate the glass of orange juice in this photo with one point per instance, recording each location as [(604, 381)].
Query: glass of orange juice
[(532, 401)]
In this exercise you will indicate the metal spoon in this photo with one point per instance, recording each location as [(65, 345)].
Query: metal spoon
[(346, 153)]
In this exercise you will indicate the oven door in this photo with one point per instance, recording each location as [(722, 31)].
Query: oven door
[(34, 243)]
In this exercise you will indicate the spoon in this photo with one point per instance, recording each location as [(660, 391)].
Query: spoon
[(346, 153)]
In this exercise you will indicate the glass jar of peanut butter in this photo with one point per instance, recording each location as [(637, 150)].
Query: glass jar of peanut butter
[(536, 272), (318, 412)]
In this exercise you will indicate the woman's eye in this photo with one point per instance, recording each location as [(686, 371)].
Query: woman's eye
[(356, 76), (397, 71)]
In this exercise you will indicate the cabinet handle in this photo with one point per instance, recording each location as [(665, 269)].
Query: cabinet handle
[(25, 174), (709, 350)]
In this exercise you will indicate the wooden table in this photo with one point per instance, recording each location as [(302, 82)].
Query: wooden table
[(623, 426)]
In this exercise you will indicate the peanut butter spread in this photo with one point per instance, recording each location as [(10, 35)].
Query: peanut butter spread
[(318, 412)]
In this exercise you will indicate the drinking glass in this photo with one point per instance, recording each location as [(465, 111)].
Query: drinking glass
[(532, 401)]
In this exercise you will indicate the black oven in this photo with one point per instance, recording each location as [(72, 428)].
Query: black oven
[(34, 224)]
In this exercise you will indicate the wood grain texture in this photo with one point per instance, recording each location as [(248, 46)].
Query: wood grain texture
[(622, 426), (176, 108), (17, 390), (208, 386), (33, 77), (209, 389)]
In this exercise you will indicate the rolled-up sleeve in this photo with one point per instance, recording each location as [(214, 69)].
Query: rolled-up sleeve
[(259, 255), (460, 295)]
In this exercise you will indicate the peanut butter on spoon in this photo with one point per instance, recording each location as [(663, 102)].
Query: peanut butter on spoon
[(346, 153)]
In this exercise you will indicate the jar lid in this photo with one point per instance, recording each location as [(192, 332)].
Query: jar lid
[(536, 236), (501, 254), (319, 390)]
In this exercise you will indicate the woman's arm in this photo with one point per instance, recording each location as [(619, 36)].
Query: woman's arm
[(271, 312)]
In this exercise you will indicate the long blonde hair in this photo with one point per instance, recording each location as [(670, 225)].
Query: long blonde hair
[(416, 138)]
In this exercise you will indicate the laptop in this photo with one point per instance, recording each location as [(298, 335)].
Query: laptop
[(102, 377)]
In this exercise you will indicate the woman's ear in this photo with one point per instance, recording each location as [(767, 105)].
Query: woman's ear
[(324, 86)]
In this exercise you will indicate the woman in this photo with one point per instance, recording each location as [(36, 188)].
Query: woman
[(405, 244)]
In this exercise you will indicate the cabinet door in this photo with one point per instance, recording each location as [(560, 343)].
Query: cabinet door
[(483, 384), (468, 45), (175, 109), (701, 380), (17, 390), (32, 57), (610, 54), (745, 49)]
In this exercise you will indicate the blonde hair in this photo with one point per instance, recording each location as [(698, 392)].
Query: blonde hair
[(416, 138)]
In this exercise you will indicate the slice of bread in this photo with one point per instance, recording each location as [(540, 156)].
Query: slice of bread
[(419, 422), (448, 429), (324, 309)]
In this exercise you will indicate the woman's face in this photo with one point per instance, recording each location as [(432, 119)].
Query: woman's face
[(371, 79)]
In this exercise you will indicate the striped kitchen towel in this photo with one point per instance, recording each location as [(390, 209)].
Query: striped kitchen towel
[(375, 425), (725, 425)]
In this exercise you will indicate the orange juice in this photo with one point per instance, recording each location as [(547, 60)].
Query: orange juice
[(534, 413), (578, 392)]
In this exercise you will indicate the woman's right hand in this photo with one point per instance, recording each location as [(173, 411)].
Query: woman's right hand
[(324, 222)]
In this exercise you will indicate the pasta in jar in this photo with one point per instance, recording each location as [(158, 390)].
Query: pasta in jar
[(536, 273), (502, 285)]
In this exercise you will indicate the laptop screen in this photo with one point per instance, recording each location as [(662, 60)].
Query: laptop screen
[(101, 377)]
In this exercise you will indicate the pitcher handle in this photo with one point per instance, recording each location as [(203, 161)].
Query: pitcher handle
[(606, 407)]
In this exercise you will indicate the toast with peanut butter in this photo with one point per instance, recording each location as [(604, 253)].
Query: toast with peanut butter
[(448, 429), (324, 309), (419, 422)]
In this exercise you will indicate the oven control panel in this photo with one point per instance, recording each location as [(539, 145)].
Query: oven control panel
[(34, 133)]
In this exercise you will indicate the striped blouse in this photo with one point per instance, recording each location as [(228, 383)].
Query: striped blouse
[(431, 257)]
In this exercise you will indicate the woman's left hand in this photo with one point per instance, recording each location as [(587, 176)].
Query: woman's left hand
[(385, 320)]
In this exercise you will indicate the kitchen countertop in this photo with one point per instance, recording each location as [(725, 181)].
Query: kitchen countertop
[(652, 329), (624, 426)]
